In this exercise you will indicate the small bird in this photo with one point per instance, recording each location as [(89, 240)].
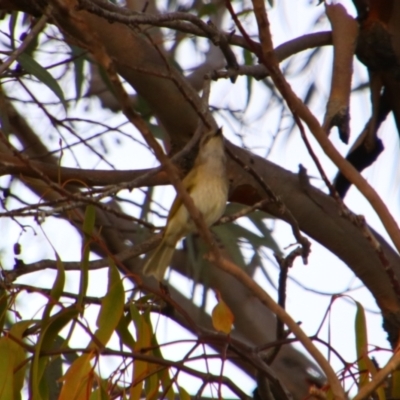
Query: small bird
[(207, 184)]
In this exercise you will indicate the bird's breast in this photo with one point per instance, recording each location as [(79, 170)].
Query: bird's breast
[(210, 197)]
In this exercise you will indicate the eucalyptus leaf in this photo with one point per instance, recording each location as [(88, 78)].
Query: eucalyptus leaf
[(34, 68)]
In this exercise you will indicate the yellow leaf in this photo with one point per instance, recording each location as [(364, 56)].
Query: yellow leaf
[(222, 317), (10, 358), (395, 384), (141, 369), (183, 394), (78, 379)]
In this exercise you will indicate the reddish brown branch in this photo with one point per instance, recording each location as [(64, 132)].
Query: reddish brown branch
[(345, 32), (299, 108)]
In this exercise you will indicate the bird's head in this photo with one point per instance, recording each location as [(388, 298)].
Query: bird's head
[(212, 145)]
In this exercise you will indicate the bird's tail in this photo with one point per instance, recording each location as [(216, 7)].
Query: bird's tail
[(159, 261)]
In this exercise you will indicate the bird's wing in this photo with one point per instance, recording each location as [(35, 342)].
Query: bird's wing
[(188, 183)]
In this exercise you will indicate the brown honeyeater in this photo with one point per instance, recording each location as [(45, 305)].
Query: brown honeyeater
[(207, 184)]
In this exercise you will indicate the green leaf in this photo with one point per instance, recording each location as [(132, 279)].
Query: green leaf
[(151, 385), (106, 80), (208, 9), (101, 392), (3, 307), (18, 329), (12, 370), (257, 218), (79, 62), (157, 132), (140, 368), (48, 334), (7, 365), (143, 327), (361, 345), (163, 374), (112, 307), (230, 239), (124, 333), (57, 288), (248, 60), (88, 226), (4, 116), (53, 372), (90, 219), (34, 68), (12, 23)]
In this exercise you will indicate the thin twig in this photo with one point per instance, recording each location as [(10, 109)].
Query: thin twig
[(284, 211), (301, 110), (104, 59), (267, 300), (271, 63), (133, 252)]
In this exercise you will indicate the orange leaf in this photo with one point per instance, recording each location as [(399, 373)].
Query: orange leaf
[(222, 317)]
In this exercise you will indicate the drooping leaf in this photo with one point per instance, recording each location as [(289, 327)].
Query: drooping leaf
[(3, 307), (163, 373), (248, 60), (88, 226), (48, 334), (52, 373), (257, 218), (151, 387), (17, 331), (152, 382), (100, 393), (79, 63), (222, 316), (90, 218), (77, 381), (143, 340), (34, 68), (57, 288), (124, 333), (183, 394), (4, 117), (157, 131), (112, 307), (395, 385), (361, 345), (229, 239), (208, 9), (12, 368), (380, 390), (7, 366), (12, 23)]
